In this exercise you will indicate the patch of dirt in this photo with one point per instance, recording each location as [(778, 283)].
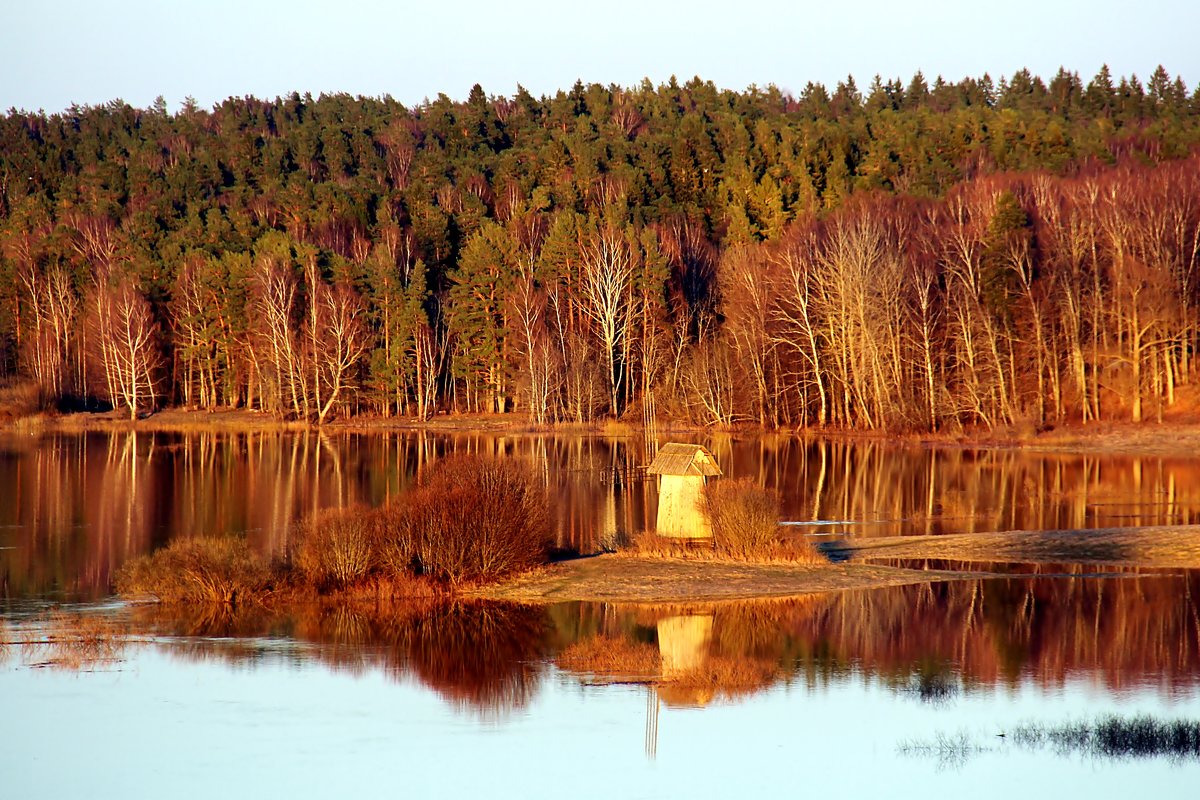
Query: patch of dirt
[(637, 579)]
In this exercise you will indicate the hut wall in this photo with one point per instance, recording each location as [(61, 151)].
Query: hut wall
[(680, 507)]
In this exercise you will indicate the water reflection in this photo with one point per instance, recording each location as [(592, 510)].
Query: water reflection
[(73, 508), (932, 642), (478, 656)]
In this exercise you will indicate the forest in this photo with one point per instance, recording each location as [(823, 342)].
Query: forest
[(917, 256)]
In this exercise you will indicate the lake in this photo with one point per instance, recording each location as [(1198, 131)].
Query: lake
[(891, 692)]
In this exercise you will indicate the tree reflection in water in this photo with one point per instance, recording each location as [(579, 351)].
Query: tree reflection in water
[(480, 656), (933, 642), (74, 507)]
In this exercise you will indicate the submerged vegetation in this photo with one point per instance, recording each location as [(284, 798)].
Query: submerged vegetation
[(1112, 737), (67, 640), (922, 255), (1116, 737)]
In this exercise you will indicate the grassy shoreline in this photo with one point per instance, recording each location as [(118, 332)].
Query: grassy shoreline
[(1179, 437), (630, 577)]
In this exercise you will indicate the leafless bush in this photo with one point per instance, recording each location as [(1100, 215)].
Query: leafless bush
[(744, 517), (214, 570), (470, 519), (337, 547)]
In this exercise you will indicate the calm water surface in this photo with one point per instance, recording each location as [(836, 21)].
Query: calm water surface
[(852, 693), (73, 508), (828, 693)]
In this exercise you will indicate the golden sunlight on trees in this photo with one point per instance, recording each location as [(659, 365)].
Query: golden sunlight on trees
[(1023, 257), (123, 347)]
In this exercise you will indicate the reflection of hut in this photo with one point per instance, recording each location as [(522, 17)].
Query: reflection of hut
[(683, 470), (683, 643)]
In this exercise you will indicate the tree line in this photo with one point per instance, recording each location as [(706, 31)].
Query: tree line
[(910, 257)]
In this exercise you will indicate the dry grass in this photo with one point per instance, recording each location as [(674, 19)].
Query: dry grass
[(22, 407), (745, 523), (209, 570), (177, 420), (650, 545)]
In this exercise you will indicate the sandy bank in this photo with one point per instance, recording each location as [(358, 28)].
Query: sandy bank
[(623, 578)]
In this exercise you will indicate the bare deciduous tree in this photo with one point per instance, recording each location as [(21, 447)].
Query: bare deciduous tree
[(604, 291), (125, 346), (340, 340), (52, 310)]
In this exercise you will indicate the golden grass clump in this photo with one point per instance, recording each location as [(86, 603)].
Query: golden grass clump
[(611, 657), (19, 399), (335, 548), (471, 519), (744, 518), (213, 569)]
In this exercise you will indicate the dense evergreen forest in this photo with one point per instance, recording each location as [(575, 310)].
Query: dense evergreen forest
[(905, 257)]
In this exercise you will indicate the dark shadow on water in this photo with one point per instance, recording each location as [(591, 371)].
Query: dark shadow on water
[(838, 551)]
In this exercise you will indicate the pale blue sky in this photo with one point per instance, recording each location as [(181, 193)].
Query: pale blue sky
[(92, 51)]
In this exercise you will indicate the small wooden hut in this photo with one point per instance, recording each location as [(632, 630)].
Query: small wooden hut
[(683, 470)]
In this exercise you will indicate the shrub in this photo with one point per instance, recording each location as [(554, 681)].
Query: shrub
[(744, 517), (337, 547), (470, 519), (215, 570)]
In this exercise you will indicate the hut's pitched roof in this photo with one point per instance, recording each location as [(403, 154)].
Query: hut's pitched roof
[(683, 459)]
